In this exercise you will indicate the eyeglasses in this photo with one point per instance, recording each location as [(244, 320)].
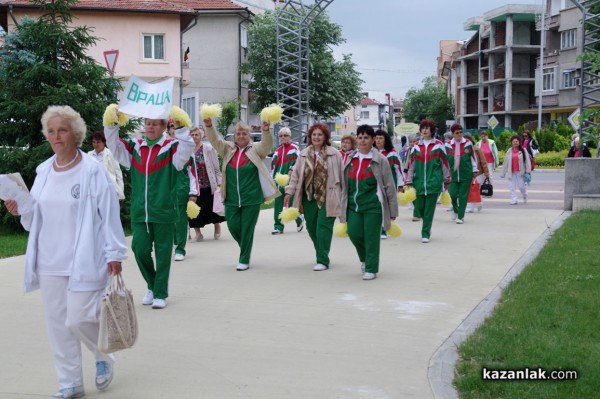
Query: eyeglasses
[(284, 135), (171, 126)]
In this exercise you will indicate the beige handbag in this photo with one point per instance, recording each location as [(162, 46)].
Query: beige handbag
[(118, 321)]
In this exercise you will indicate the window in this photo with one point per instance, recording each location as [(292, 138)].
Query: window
[(568, 78), (567, 4), (568, 39), (243, 36), (154, 47), (548, 79), (188, 104), (364, 114)]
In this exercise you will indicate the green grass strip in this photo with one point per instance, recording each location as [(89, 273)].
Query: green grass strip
[(548, 317)]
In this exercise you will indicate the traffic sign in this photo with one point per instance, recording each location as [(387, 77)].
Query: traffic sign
[(110, 57), (493, 122), (575, 119)]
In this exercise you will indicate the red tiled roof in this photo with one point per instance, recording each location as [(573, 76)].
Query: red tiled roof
[(368, 101), (210, 4), (165, 6)]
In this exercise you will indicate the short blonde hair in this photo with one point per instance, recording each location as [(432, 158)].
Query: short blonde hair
[(75, 121), (285, 130), (351, 138), (242, 126)]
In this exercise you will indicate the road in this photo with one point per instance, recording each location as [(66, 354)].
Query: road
[(546, 191)]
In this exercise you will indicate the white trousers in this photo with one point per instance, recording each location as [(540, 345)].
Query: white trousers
[(491, 170), (71, 318), (516, 182)]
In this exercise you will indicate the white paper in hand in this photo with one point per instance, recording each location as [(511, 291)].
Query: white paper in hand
[(12, 187)]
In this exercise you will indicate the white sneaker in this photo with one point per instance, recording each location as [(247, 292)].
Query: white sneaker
[(159, 304), (453, 216), (362, 267), (469, 210), (104, 375), (424, 240), (241, 267), (179, 257), (415, 219), (319, 267), (459, 221), (69, 393), (513, 202), (383, 236), (148, 298), (525, 200), (450, 210), (369, 276)]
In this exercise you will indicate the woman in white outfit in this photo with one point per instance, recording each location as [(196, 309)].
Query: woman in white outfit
[(105, 157), (516, 165), (75, 242)]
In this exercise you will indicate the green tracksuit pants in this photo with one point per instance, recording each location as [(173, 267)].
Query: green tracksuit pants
[(241, 222), (320, 229), (161, 235), (363, 230), (459, 192), (425, 205), (181, 229), (277, 208)]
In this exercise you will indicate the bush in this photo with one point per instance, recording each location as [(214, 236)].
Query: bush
[(503, 140), (551, 159)]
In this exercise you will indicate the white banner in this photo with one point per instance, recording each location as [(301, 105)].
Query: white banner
[(147, 100)]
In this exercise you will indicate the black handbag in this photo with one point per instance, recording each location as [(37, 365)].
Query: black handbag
[(486, 190)]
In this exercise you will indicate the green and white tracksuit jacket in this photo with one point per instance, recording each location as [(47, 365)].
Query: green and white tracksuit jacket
[(154, 171), (468, 162), (394, 161), (284, 158), (428, 168)]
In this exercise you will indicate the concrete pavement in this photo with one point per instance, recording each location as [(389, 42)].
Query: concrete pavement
[(281, 330)]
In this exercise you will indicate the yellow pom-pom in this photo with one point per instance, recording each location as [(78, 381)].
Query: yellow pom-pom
[(271, 114), (122, 118), (445, 199), (269, 202), (210, 111), (282, 180), (193, 210), (289, 214), (411, 194), (180, 117), (341, 230), (402, 199), (110, 117), (395, 230)]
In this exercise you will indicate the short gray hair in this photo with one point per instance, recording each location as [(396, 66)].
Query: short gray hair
[(72, 117), (285, 130), (242, 126)]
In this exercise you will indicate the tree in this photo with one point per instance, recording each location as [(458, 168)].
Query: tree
[(44, 63), (431, 101), (231, 112), (334, 85)]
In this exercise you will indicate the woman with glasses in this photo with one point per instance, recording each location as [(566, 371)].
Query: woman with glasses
[(284, 158)]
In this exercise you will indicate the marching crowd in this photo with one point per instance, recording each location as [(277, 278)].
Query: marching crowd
[(76, 240)]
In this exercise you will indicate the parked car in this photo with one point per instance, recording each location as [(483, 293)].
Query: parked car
[(336, 141), (256, 136)]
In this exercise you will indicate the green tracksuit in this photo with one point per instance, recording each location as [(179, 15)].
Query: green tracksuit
[(284, 159), (319, 227), (462, 176), (242, 205), (364, 213), (154, 166), (187, 186), (428, 171)]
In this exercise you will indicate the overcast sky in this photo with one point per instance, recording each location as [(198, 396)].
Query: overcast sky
[(395, 43)]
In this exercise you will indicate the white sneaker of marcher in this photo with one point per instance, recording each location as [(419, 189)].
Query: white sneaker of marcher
[(69, 393), (319, 267), (148, 298), (179, 257), (459, 221), (369, 276), (159, 304), (242, 266)]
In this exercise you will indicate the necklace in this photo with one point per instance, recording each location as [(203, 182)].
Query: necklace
[(67, 164)]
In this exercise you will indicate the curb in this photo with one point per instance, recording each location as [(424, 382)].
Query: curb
[(443, 361)]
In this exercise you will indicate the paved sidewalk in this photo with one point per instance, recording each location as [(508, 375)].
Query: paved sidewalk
[(281, 330)]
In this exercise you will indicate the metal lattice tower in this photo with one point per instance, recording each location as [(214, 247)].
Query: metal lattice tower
[(293, 86), (590, 97)]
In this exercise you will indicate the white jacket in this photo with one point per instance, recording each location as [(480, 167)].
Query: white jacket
[(99, 234), (113, 169)]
